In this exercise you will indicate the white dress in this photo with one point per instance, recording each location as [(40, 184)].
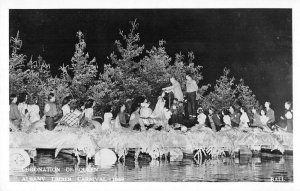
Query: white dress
[(22, 107), (66, 109), (88, 113), (159, 112), (201, 118), (34, 113), (244, 120), (264, 119), (107, 121), (227, 120), (145, 110)]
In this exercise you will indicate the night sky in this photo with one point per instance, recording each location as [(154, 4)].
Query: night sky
[(255, 44)]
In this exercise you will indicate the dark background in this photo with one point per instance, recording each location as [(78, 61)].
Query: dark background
[(255, 44)]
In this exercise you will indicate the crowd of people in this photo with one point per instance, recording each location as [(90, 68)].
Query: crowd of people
[(137, 115), (238, 118)]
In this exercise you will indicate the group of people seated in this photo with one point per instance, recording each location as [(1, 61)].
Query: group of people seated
[(233, 118), (25, 111), (142, 117), (137, 115)]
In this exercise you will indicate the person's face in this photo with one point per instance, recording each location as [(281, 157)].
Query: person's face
[(163, 94), (15, 100), (199, 119), (231, 109), (94, 103), (145, 101), (262, 112), (210, 111), (267, 104), (253, 110), (172, 80), (287, 106), (242, 110), (188, 78), (52, 99), (123, 108)]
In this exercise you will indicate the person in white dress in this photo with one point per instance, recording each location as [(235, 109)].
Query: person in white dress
[(244, 120), (226, 119), (159, 112), (22, 104), (34, 110), (106, 125), (264, 120), (145, 110), (88, 112), (201, 117), (66, 105)]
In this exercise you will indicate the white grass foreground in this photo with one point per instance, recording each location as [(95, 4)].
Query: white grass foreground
[(89, 142)]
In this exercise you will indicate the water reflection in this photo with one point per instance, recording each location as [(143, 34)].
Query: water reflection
[(242, 168)]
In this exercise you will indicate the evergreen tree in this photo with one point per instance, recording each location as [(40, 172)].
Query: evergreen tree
[(224, 92), (16, 65), (84, 71), (129, 75), (246, 97)]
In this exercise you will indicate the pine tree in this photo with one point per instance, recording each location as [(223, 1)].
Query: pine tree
[(224, 92), (16, 64), (84, 71), (153, 69), (246, 97)]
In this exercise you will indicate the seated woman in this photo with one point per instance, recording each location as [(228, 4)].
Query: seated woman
[(244, 120), (106, 125), (264, 120), (286, 121), (33, 110), (215, 120), (66, 105), (72, 119), (121, 119), (15, 116), (201, 118), (158, 112), (234, 117), (145, 110), (270, 114), (88, 111), (135, 122), (256, 119), (226, 120)]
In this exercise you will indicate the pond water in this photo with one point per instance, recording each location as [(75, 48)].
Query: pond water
[(263, 168)]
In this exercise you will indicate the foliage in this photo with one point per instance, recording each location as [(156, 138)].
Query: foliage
[(227, 92), (245, 96), (130, 75), (84, 71), (224, 93), (16, 74), (132, 72)]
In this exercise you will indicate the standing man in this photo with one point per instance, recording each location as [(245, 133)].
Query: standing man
[(191, 92), (175, 88)]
